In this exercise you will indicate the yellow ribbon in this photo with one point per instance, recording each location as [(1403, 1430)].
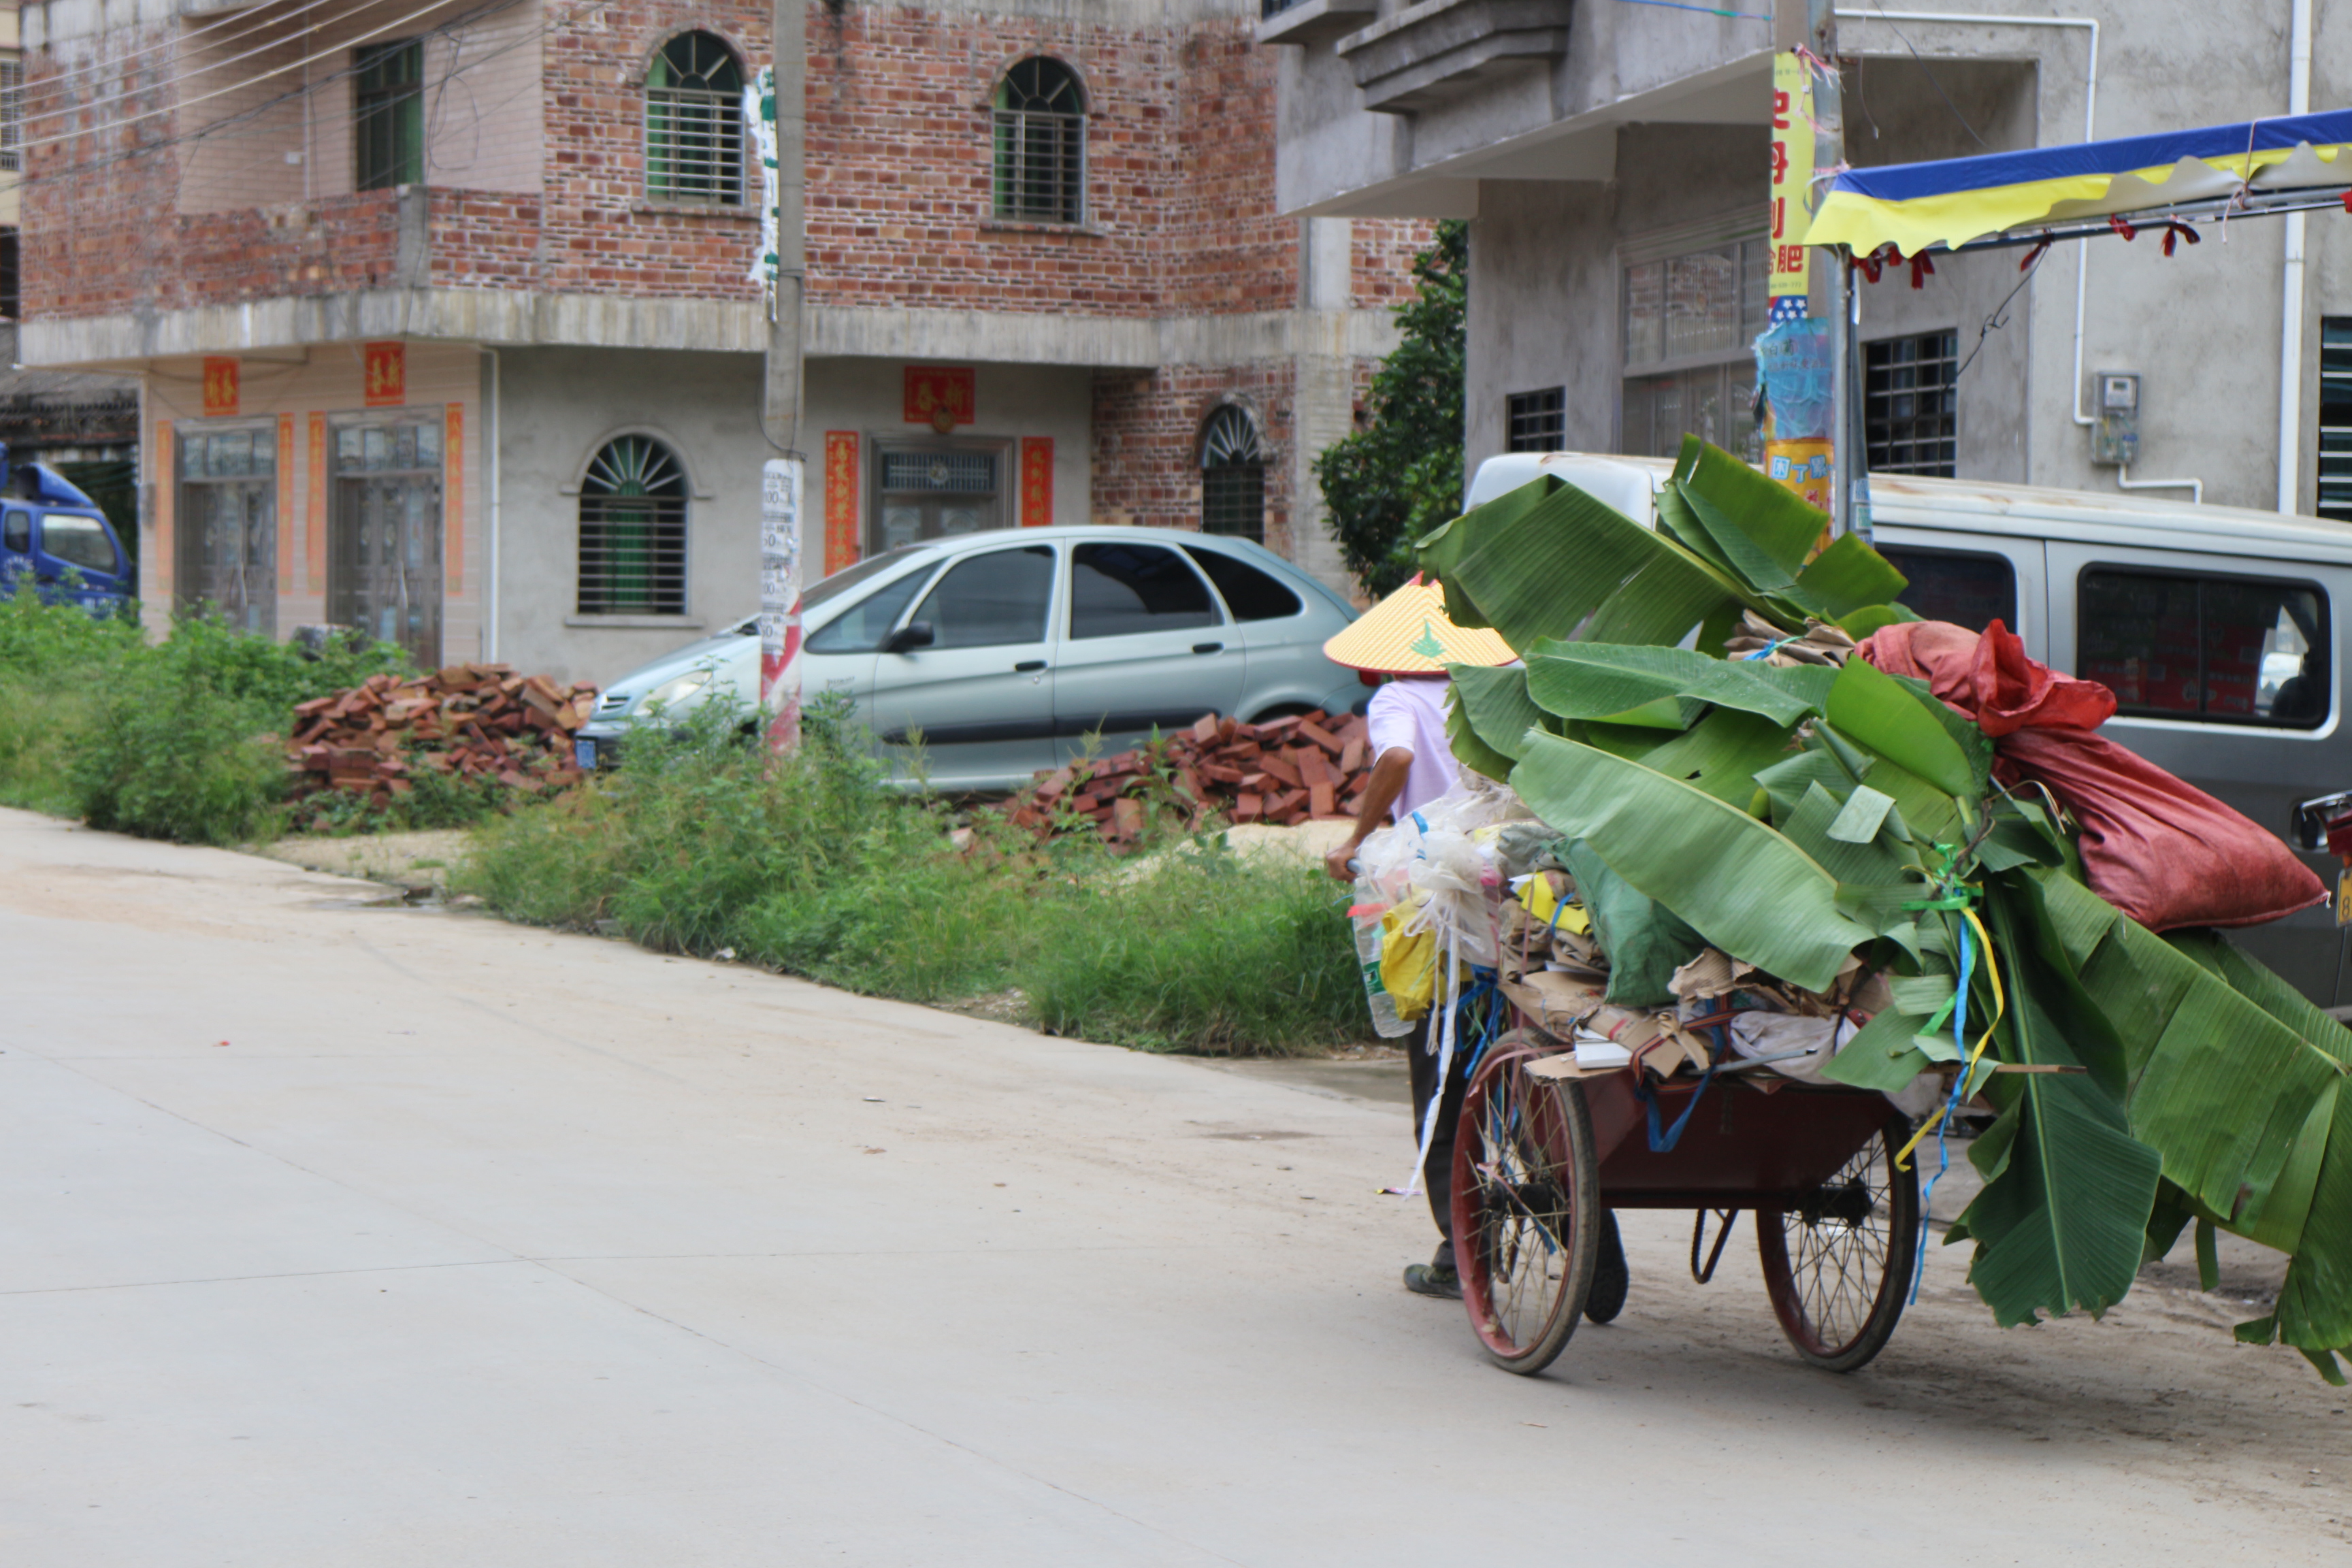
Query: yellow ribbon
[(1969, 1071)]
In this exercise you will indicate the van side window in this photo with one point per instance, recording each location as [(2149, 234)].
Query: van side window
[(2227, 650), (1962, 586), (16, 533)]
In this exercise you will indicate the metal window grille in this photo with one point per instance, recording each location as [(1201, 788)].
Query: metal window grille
[(388, 114), (1910, 404), (1233, 476), (1040, 145), (694, 126), (633, 530), (2336, 417), (953, 473), (12, 114), (1538, 420)]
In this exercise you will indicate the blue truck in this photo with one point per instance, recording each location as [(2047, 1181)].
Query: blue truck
[(53, 536)]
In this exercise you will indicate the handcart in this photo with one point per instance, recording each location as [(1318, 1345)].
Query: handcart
[(1536, 1158)]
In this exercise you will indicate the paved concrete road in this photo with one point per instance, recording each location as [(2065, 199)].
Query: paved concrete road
[(341, 1236)]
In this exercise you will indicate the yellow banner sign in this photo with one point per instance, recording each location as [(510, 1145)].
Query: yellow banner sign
[(1793, 171)]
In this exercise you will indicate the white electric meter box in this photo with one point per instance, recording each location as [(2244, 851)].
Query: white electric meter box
[(2114, 438)]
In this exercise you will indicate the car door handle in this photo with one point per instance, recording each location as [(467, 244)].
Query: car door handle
[(1026, 664), (1208, 647)]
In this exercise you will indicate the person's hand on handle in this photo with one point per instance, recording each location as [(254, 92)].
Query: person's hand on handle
[(1388, 782)]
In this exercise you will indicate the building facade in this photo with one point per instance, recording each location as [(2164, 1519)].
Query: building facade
[(445, 325), (1612, 159)]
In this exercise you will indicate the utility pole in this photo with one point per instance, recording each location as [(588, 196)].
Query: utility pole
[(782, 489), (1848, 484)]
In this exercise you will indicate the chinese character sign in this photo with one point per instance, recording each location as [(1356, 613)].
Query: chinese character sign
[(840, 499), (1036, 481), (385, 368), (780, 600), (1792, 177), (940, 395), (220, 388)]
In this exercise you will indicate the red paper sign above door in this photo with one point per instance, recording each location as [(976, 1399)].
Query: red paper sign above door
[(387, 374), (220, 388), (941, 396)]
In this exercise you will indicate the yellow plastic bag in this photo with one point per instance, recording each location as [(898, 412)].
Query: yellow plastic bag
[(1408, 963), (1541, 901)]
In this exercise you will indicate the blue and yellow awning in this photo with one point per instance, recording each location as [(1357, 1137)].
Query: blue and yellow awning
[(1954, 200)]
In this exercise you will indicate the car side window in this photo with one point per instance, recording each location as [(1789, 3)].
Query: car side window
[(1119, 590), (986, 601), (861, 627), (16, 533), (1965, 587), (2225, 650), (1251, 594)]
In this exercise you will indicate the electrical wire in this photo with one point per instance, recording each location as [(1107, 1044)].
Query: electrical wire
[(194, 71), (1930, 75), (232, 122), (1993, 323), (201, 33), (343, 47)]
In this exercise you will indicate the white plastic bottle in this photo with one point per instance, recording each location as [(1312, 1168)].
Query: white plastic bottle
[(1365, 914)]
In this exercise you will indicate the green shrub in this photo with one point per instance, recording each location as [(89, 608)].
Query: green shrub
[(1203, 955), (702, 843), (178, 760)]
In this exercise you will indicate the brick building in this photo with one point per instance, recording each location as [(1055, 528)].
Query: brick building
[(444, 327)]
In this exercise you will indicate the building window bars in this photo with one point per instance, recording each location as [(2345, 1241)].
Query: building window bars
[(2336, 418), (388, 114), (1233, 476), (1538, 420), (12, 115), (1910, 404), (693, 122), (1041, 143), (633, 530)]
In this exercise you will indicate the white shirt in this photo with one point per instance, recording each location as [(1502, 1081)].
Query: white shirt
[(1410, 711)]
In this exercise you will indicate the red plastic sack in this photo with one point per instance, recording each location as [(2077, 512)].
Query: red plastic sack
[(2164, 852)]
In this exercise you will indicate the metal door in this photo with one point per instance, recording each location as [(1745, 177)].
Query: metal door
[(383, 570), (226, 545), (1145, 647), (982, 693), (932, 492)]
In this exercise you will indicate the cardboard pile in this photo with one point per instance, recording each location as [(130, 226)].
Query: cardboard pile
[(1304, 768), (467, 721)]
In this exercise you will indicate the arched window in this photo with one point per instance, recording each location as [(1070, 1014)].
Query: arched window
[(693, 122), (1233, 476), (1041, 143), (633, 530)]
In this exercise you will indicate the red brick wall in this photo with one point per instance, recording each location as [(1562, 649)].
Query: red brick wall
[(1383, 249), (1146, 436), (1180, 146)]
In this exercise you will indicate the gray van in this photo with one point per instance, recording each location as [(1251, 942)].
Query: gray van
[(2213, 626)]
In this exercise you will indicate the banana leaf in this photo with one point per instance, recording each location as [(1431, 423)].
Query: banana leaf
[(1493, 704), (1739, 884), (1851, 578), (1875, 709), (1542, 571), (1644, 941), (1596, 681), (1779, 525), (1439, 550), (1719, 755), (2068, 1189)]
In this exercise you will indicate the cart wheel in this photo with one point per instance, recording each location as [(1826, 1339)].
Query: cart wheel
[(1527, 1210), (1837, 1266)]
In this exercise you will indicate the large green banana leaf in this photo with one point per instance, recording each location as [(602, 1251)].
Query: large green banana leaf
[(1494, 703), (1595, 680), (1742, 885)]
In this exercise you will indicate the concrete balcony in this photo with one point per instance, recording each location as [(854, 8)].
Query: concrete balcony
[(1442, 51), (1312, 21)]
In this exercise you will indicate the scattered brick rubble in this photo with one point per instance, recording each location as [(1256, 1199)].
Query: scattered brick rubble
[(467, 720), (1287, 771)]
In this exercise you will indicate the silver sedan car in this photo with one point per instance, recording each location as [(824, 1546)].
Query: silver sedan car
[(1011, 650)]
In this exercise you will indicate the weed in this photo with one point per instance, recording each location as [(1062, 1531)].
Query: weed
[(702, 841)]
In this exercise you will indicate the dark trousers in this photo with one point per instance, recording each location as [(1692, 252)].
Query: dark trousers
[(1437, 1173)]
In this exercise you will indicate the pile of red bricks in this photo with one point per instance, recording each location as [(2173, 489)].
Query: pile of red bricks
[(1310, 767), (467, 722)]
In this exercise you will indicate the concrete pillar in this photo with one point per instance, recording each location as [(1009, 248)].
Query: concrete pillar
[(1323, 380)]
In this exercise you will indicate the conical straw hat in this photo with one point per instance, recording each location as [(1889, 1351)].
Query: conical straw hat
[(1408, 633)]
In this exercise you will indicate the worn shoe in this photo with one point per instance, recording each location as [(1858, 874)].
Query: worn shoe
[(1429, 1280), (1610, 1278)]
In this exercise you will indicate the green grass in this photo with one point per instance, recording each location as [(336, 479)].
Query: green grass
[(699, 843)]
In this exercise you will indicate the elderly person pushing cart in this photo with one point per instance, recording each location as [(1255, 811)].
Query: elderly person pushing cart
[(1405, 642)]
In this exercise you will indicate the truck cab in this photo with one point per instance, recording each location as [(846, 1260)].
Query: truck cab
[(54, 537)]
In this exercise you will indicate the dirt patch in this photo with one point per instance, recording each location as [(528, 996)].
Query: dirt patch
[(418, 859)]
